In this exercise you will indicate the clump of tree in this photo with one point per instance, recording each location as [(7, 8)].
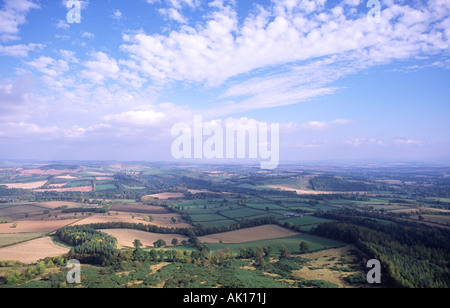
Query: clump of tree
[(304, 247), (91, 246), (5, 220)]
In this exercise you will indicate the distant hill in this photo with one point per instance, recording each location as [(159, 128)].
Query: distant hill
[(59, 167)]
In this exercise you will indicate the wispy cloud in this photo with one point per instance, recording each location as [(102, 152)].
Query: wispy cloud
[(319, 46)]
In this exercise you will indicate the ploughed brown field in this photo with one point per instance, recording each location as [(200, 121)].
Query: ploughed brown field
[(139, 208), (33, 226), (79, 189), (248, 235), (56, 204)]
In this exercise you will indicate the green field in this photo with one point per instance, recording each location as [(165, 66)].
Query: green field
[(100, 187), (305, 220)]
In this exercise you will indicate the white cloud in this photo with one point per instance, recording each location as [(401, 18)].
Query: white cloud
[(15, 97), (26, 130), (88, 35), (20, 50), (357, 142), (342, 122), (143, 118), (314, 125), (100, 68), (49, 66), (117, 14), (281, 54), (173, 14), (62, 24), (12, 15), (407, 141)]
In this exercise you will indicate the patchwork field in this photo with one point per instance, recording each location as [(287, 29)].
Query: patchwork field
[(215, 201)]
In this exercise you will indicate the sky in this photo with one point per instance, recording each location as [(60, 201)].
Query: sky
[(343, 79)]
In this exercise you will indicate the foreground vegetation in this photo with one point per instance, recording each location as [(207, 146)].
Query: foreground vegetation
[(176, 269)]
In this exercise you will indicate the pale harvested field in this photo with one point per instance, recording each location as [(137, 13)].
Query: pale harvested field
[(167, 195), (322, 260), (32, 251), (93, 173), (162, 220), (197, 191), (104, 178), (248, 235), (32, 185), (79, 189), (24, 226), (66, 177), (302, 191), (126, 237), (434, 210)]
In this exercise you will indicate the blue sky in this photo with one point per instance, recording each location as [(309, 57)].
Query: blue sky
[(341, 86)]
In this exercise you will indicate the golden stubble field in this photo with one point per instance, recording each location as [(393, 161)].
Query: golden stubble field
[(126, 237), (32, 251)]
